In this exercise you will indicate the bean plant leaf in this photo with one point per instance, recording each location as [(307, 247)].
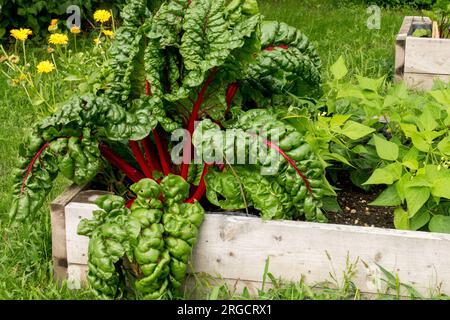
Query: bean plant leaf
[(410, 159), (339, 69), (444, 146), (440, 223), (401, 219), (426, 120), (370, 84), (386, 150), (385, 175), (416, 197), (441, 187), (389, 197), (420, 219), (355, 130)]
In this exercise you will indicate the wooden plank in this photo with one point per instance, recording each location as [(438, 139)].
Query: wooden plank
[(235, 248), (405, 28), (59, 249), (81, 207), (399, 60), (422, 81), (427, 55), (400, 47), (76, 276)]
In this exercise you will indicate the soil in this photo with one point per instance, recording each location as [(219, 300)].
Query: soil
[(355, 209), (354, 203)]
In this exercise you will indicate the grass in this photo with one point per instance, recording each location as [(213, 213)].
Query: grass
[(339, 28), (25, 251)]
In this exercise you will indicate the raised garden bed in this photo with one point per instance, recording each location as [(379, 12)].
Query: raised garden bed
[(419, 61), (235, 248)]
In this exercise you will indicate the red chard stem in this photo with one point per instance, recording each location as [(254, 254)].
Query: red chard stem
[(30, 166), (140, 159), (290, 161), (187, 152), (162, 158), (199, 193), (151, 160), (131, 172)]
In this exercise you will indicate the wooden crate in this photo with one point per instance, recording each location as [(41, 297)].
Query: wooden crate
[(234, 249), (418, 61)]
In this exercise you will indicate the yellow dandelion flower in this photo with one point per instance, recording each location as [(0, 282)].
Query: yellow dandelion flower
[(108, 33), (75, 30), (97, 41), (45, 67), (102, 16), (21, 34), (53, 25), (58, 38)]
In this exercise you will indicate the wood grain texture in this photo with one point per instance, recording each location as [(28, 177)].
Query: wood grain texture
[(427, 55), (76, 276), (399, 60), (81, 207), (422, 81), (405, 28), (59, 248), (237, 248), (234, 250)]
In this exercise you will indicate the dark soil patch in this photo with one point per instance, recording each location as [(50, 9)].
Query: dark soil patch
[(354, 203), (356, 209)]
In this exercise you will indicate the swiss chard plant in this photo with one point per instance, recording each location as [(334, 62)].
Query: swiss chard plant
[(209, 61)]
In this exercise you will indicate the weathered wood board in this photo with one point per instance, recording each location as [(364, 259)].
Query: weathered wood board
[(422, 80), (234, 249), (427, 55), (59, 247), (419, 61)]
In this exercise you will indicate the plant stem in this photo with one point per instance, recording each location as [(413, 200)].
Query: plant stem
[(54, 62), (271, 48), (130, 203), (140, 158), (231, 92), (30, 166), (162, 158), (187, 154), (131, 172), (151, 160), (198, 194), (24, 52), (199, 101)]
